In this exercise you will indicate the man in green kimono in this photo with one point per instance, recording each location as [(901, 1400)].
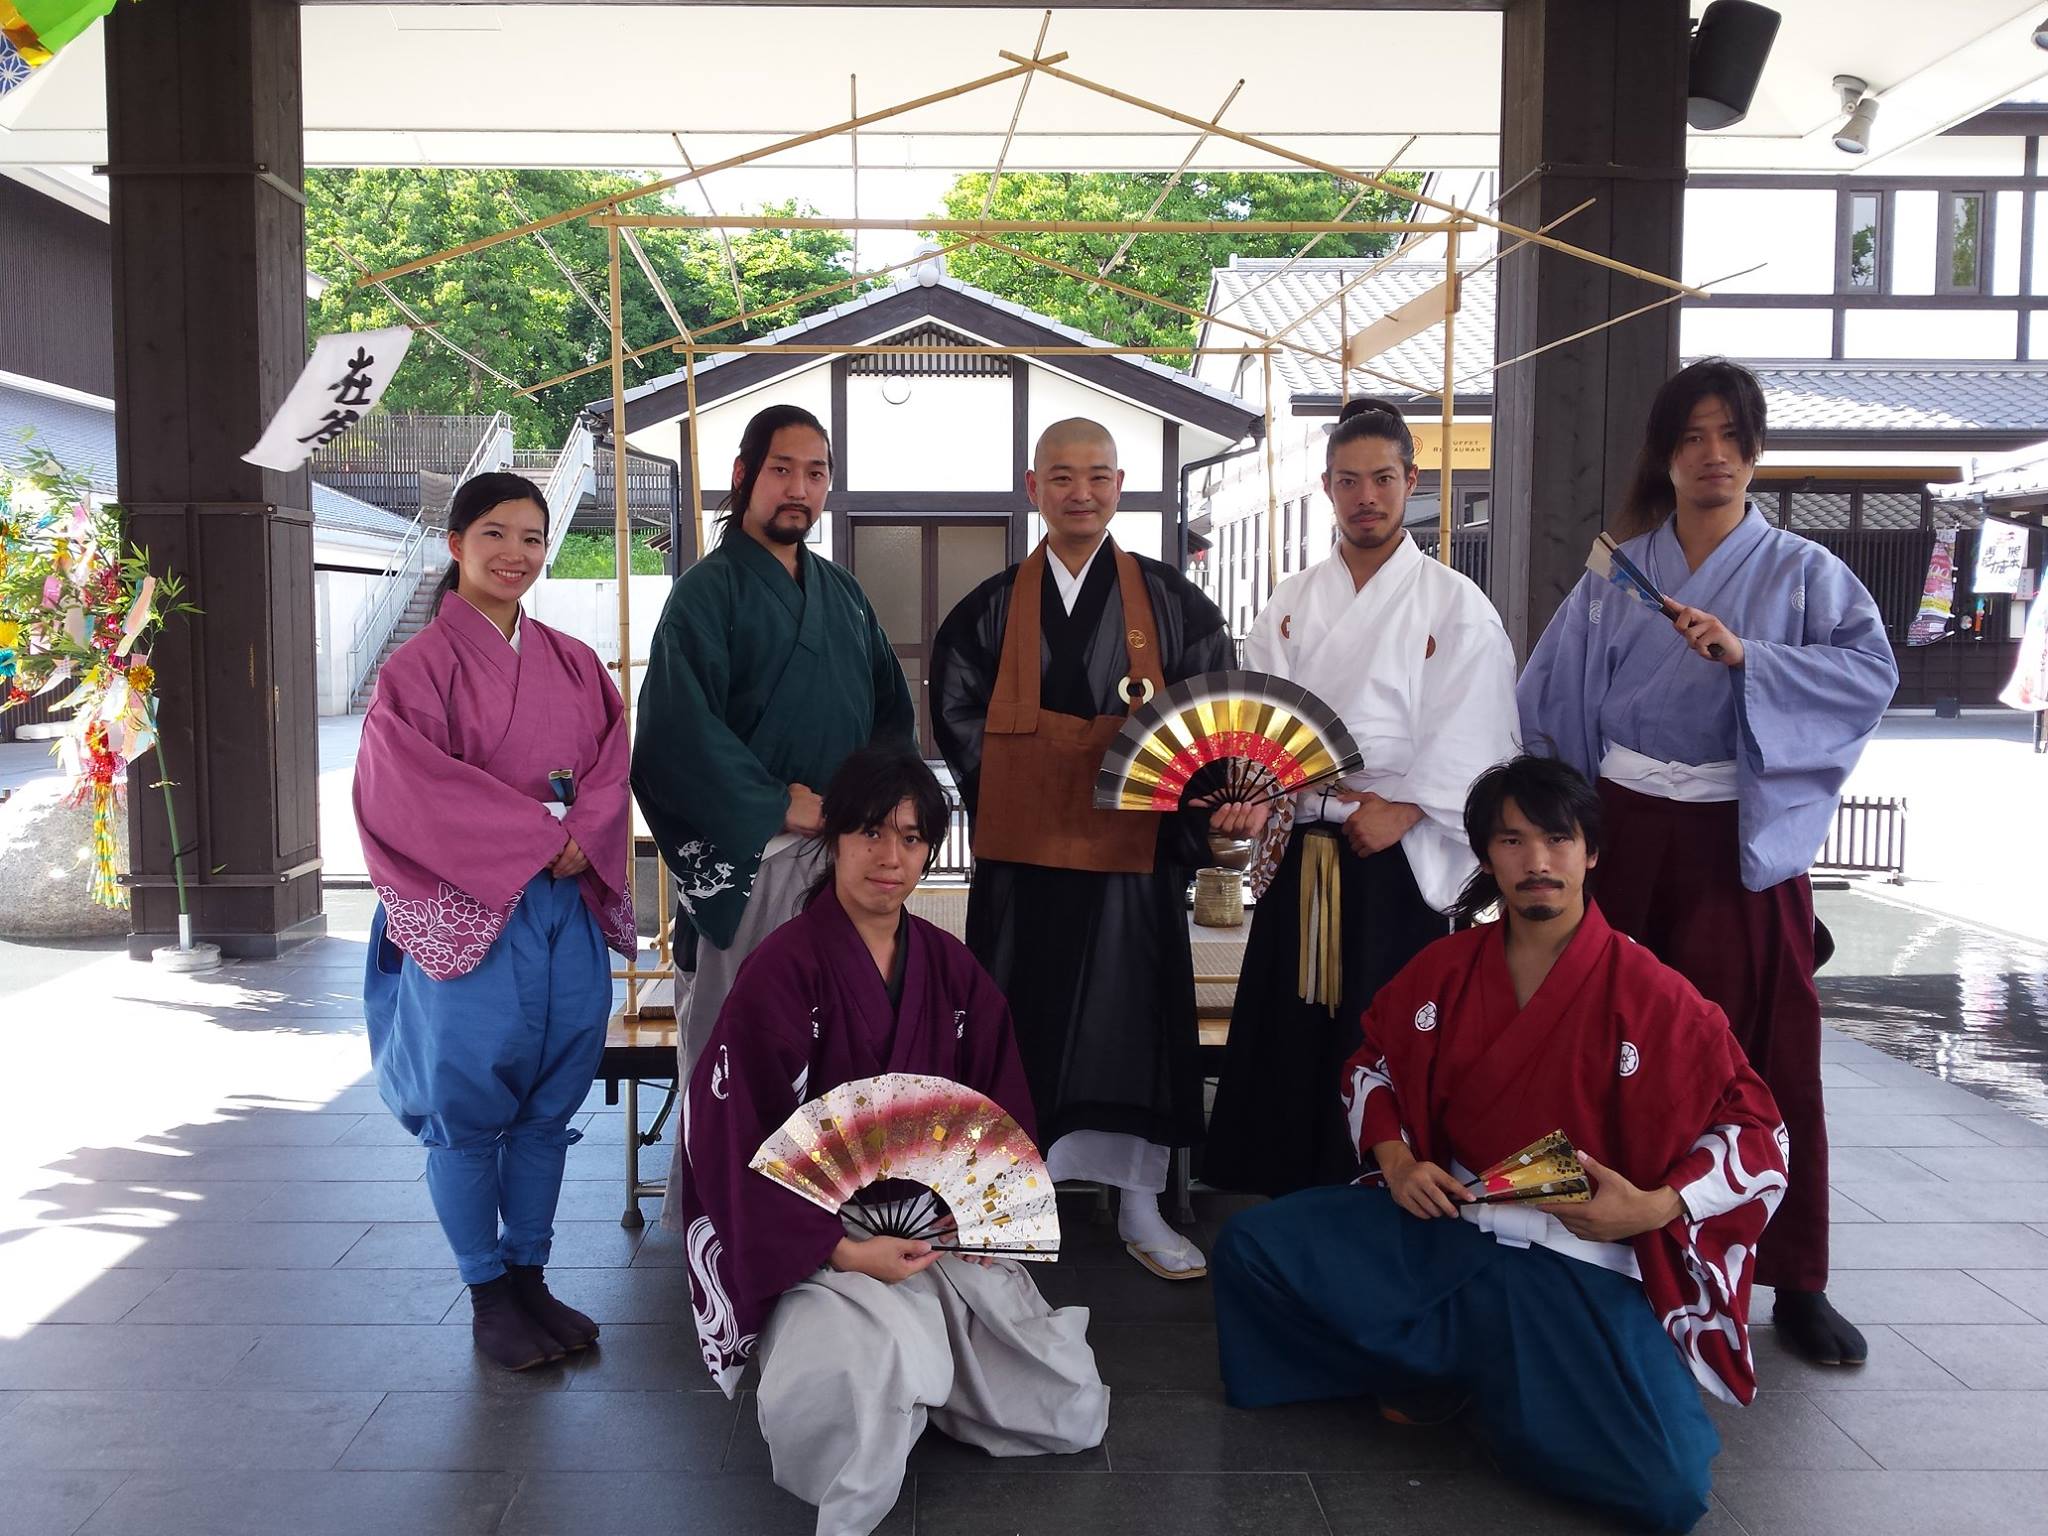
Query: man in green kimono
[(768, 668)]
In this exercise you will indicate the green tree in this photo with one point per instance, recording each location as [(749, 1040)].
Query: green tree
[(1175, 267), (510, 305)]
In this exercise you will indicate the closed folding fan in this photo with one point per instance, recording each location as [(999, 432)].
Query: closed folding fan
[(1226, 736), (987, 1187), (1547, 1169)]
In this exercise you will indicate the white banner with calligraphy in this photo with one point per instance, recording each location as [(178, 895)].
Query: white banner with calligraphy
[(345, 377)]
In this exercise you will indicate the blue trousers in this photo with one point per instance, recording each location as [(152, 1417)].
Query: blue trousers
[(1569, 1380), (488, 1068)]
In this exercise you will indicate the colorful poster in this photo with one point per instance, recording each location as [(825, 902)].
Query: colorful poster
[(2001, 557), (1938, 597), (2029, 686), (344, 378)]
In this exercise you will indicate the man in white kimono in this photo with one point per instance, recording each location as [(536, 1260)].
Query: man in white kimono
[(1412, 656)]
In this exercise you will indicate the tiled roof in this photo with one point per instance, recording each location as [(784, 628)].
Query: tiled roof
[(1821, 396), (1259, 293), (81, 435), (1906, 397), (876, 296)]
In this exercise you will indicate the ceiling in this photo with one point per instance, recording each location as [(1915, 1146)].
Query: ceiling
[(608, 85)]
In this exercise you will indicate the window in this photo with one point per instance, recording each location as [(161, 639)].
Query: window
[(1959, 265), (1286, 536), (1862, 243), (1813, 510)]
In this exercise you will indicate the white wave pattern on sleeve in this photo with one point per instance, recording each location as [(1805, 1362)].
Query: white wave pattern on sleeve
[(718, 1333), (1364, 1083), (1707, 1311), (446, 935)]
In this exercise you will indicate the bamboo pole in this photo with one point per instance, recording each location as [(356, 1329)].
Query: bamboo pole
[(427, 326), (1445, 475), (1252, 141), (853, 150), (1343, 353), (1054, 265), (745, 315), (925, 349), (731, 162), (1594, 330), (1343, 213), (690, 426), (622, 564), (1272, 489), (732, 266), (654, 278), (561, 266), (1030, 226), (988, 197), (1116, 257)]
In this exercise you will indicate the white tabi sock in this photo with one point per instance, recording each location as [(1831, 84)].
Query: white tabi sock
[(1138, 1221)]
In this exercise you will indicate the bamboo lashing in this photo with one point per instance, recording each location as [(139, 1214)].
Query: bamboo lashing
[(1310, 162), (731, 162)]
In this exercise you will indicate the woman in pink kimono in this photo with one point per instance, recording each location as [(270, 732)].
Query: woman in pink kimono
[(492, 798)]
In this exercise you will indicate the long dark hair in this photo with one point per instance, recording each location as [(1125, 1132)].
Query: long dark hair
[(754, 443), (1370, 416), (475, 497), (864, 794), (1650, 496), (1549, 791)]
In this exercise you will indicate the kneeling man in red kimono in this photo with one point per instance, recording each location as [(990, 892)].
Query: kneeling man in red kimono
[(1574, 1333)]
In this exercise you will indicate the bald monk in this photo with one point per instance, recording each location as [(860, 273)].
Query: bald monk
[(1080, 914)]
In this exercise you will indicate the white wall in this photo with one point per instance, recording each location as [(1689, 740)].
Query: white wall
[(339, 598), (1714, 331), (948, 434), (1930, 333), (1792, 231), (1054, 397), (589, 610)]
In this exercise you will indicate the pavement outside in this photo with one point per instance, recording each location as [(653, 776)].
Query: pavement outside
[(225, 1308)]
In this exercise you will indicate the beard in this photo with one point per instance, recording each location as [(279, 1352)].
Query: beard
[(1538, 912), (777, 531), (1370, 541)]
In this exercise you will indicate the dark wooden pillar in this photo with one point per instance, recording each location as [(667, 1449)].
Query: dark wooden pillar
[(1592, 105), (206, 167)]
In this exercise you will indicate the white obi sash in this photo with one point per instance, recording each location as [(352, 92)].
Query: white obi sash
[(1693, 783)]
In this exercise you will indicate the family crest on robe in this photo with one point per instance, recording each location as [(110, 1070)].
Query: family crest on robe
[(1817, 674), (452, 790), (808, 1012), (1416, 664), (1091, 951), (1418, 667), (755, 681), (1621, 1053)]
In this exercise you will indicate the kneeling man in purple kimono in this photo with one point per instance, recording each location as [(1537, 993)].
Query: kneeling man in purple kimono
[(864, 1340)]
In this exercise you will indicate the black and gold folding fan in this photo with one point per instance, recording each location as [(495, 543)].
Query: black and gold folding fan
[(1223, 736)]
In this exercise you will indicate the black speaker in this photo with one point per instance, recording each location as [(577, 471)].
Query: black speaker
[(1728, 55)]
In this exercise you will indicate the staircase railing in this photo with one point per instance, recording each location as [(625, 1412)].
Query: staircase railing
[(400, 578), (564, 488)]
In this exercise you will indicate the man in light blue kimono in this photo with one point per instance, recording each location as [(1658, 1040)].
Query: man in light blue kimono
[(1721, 728)]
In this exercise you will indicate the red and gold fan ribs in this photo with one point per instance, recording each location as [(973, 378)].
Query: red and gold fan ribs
[(958, 1143), (1547, 1169)]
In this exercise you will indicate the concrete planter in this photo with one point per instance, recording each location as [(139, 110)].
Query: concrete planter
[(46, 867)]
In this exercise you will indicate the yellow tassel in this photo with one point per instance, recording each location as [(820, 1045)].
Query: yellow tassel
[(1321, 968), (106, 888)]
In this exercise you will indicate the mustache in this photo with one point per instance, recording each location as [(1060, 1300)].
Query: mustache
[(1541, 884), (794, 506)]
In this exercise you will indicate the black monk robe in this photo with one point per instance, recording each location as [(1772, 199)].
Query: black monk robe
[(1096, 966)]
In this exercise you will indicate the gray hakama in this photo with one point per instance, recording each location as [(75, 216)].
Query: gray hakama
[(853, 1368)]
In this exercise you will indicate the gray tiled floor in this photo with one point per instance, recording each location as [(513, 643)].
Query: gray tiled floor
[(224, 1309)]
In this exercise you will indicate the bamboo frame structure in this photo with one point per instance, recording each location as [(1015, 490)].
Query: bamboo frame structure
[(620, 226)]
